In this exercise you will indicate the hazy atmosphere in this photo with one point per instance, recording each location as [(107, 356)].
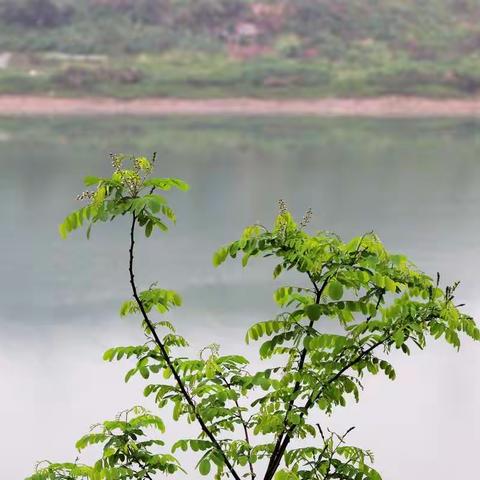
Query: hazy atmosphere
[(313, 121), (225, 48)]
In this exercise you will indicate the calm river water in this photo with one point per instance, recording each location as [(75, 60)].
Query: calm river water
[(416, 182)]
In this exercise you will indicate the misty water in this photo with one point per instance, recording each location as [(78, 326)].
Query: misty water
[(415, 182)]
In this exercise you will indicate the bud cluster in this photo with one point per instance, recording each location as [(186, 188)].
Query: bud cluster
[(86, 196), (306, 218), (282, 206)]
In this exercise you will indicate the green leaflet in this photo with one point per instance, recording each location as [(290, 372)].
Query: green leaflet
[(219, 256), (313, 311), (399, 338), (335, 290), (285, 475), (204, 467), (167, 184), (89, 180)]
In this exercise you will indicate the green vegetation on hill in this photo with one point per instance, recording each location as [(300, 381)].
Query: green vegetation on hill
[(204, 48)]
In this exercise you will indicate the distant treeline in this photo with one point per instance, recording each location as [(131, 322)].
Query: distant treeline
[(358, 46), (438, 30)]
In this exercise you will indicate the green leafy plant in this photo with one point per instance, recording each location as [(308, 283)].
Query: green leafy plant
[(355, 305)]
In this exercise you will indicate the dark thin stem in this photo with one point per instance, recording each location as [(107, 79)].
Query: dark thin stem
[(273, 459), (244, 425), (341, 441), (167, 358), (311, 401), (379, 300), (285, 437), (140, 464)]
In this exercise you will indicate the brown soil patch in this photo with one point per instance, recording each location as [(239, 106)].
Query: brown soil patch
[(365, 107)]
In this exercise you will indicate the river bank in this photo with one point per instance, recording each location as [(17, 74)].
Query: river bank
[(392, 106)]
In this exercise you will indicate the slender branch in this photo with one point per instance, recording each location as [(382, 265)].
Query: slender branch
[(140, 464), (317, 463), (379, 300), (273, 459), (143, 467), (311, 401), (148, 476), (167, 358), (244, 425), (341, 441), (134, 459), (286, 436)]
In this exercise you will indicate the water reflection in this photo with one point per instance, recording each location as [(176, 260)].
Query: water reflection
[(414, 182)]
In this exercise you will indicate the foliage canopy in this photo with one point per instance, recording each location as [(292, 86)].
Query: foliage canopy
[(356, 304)]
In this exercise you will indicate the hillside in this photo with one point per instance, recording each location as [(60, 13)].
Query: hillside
[(221, 48)]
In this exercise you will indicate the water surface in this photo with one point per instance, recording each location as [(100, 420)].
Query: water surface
[(416, 182)]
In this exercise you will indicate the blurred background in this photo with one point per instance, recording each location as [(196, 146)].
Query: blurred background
[(222, 48), (415, 181)]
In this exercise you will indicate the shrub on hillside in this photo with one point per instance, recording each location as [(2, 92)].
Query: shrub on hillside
[(149, 12), (81, 77), (36, 13)]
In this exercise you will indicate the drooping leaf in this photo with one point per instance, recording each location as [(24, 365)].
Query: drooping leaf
[(335, 290)]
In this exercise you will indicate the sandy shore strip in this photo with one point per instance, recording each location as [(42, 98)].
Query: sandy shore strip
[(11, 105)]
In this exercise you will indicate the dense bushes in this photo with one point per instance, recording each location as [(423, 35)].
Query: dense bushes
[(36, 13), (149, 12), (313, 47), (77, 77), (435, 30)]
